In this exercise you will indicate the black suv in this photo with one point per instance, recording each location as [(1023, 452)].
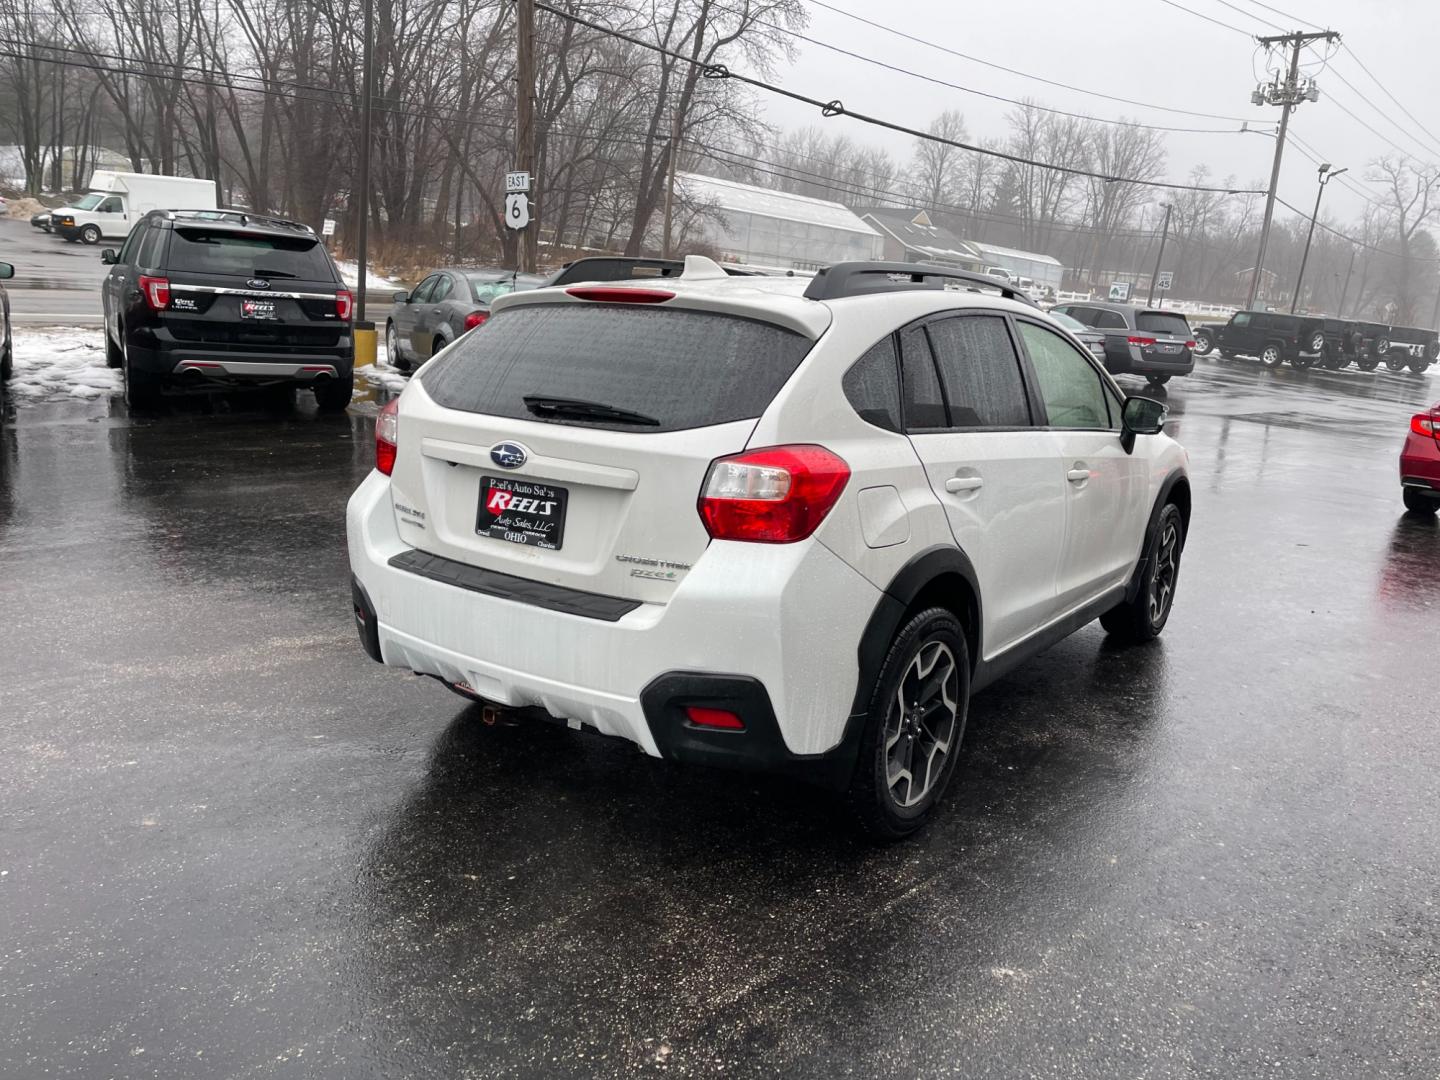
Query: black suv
[(1272, 337), (1138, 341), (208, 299)]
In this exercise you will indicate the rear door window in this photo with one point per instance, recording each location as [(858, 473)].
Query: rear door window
[(979, 371), (239, 254), (924, 404), (683, 369), (1163, 322), (148, 253)]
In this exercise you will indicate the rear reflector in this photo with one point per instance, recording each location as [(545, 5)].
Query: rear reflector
[(387, 436), (606, 294), (713, 718), (774, 496)]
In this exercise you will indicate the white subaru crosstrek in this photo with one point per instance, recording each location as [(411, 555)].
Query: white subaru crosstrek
[(764, 522)]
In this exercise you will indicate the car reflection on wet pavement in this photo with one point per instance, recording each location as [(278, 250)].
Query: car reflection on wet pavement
[(230, 845)]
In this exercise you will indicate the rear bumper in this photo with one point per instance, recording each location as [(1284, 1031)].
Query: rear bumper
[(783, 620), (209, 363), (1420, 462), (1138, 364)]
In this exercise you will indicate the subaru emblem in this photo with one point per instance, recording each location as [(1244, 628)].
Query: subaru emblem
[(258, 283), (508, 455)]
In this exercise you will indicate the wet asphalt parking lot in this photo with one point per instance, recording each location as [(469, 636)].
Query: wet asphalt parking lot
[(232, 846)]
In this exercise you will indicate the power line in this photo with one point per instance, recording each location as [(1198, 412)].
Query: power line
[(835, 107), (1252, 15), (1391, 96), (1389, 142), (1207, 18), (1015, 71), (1358, 243), (1287, 15)]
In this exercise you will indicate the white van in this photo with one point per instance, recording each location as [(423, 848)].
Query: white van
[(117, 200)]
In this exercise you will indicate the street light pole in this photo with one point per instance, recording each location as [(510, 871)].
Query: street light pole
[(1164, 234), (1345, 291), (367, 91), (1325, 177)]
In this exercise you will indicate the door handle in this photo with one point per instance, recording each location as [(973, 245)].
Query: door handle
[(957, 484), (1078, 475)]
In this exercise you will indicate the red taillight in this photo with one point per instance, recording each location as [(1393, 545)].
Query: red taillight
[(157, 292), (713, 718), (608, 294), (476, 318), (344, 304), (1143, 342), (772, 496), (1425, 424), (1189, 344), (387, 436)]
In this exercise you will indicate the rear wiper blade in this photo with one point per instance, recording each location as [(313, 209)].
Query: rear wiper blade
[(272, 273), (586, 410)]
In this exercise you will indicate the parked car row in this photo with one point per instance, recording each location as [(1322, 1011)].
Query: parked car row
[(1275, 338), (1136, 340)]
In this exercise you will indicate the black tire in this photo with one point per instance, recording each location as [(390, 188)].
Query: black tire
[(436, 345), (90, 234), (1432, 351), (1228, 354), (1142, 618), (1204, 343), (142, 389), (1304, 363), (1417, 502), (7, 361), (114, 358), (1317, 342), (1369, 363), (891, 737), (394, 352), (1418, 366), (1272, 356), (1380, 347), (1157, 381), (1396, 361), (333, 395)]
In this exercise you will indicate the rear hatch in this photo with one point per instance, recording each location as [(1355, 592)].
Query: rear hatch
[(568, 442), (253, 292), (1164, 336)]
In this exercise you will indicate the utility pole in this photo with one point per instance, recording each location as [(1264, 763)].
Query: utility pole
[(525, 122), (1287, 95), (367, 91), (1345, 291), (670, 181), (1325, 177), (1159, 255)]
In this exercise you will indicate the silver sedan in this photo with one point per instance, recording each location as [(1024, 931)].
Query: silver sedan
[(441, 308)]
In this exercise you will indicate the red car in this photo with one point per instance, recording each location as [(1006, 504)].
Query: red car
[(1420, 463)]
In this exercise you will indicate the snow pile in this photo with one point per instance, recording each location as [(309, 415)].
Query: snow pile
[(25, 208), (350, 274), (58, 363)]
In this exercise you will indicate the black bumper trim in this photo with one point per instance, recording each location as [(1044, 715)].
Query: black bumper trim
[(365, 621), (760, 747), (508, 587)]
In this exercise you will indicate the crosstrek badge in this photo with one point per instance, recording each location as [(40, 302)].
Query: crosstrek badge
[(522, 511)]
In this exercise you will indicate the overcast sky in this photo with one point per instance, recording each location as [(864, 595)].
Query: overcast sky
[(1143, 50)]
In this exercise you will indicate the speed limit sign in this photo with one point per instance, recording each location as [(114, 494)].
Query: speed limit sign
[(517, 210)]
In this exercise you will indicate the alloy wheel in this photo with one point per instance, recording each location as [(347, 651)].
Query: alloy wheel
[(921, 726), (1162, 577)]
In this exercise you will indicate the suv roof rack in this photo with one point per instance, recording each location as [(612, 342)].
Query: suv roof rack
[(626, 268), (862, 278), (243, 218)]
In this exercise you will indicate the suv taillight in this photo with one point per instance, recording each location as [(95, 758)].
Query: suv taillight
[(387, 436), (156, 291), (476, 318), (344, 304), (773, 496), (1189, 344), (1424, 424), (1143, 342)]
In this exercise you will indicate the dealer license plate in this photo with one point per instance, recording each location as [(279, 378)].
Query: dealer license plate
[(522, 512), (257, 309)]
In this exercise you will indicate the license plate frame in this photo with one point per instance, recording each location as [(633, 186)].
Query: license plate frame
[(261, 310), (529, 513)]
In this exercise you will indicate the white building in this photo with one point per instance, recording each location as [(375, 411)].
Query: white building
[(762, 227), (1042, 269)]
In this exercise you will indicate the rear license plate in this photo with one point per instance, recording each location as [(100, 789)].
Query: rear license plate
[(257, 309), (522, 512), (1170, 348)]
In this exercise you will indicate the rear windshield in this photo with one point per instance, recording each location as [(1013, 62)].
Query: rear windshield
[(206, 251), (1159, 322), (684, 369), (483, 290)]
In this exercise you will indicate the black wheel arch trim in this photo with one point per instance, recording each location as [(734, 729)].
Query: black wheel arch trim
[(1176, 479)]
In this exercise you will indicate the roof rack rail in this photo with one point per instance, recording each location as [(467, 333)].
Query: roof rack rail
[(861, 278), (242, 217), (625, 268)]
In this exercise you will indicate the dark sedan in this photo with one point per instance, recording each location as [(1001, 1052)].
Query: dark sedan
[(41, 221), (442, 307)]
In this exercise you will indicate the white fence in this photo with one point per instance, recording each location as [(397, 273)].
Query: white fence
[(1185, 307)]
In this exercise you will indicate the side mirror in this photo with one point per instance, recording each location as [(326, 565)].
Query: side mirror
[(6, 271), (401, 298), (1141, 416), (109, 257)]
